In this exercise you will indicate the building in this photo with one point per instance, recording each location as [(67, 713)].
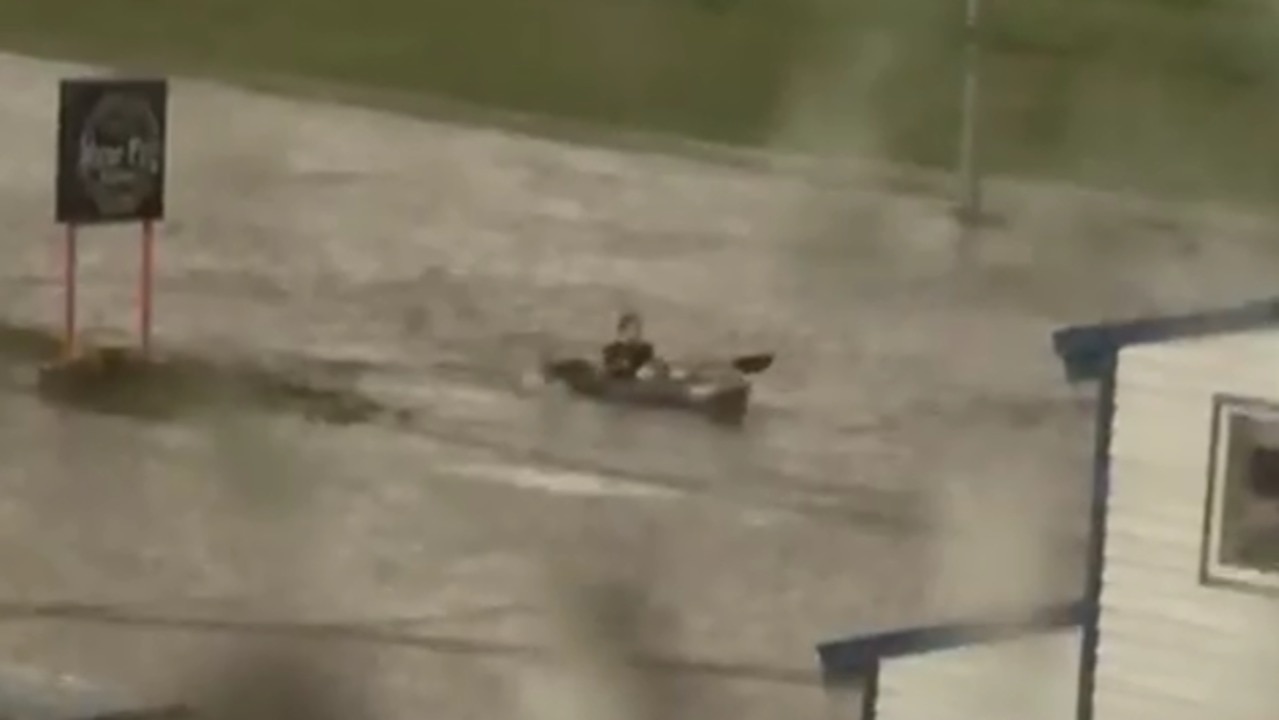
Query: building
[(1179, 616)]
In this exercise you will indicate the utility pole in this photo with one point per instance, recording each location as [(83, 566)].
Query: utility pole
[(970, 209)]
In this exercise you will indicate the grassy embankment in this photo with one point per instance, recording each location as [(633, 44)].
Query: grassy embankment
[(1163, 95)]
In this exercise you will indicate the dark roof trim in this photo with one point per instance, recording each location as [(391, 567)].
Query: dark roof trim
[(1088, 350), (854, 656)]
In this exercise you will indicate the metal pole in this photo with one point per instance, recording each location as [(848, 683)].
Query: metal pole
[(145, 285), (69, 263), (970, 175)]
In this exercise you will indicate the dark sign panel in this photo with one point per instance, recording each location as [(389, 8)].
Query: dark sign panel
[(111, 150)]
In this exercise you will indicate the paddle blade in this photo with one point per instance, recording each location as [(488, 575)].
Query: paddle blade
[(751, 364)]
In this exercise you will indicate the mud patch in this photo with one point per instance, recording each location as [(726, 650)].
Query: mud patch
[(23, 343), (119, 381)]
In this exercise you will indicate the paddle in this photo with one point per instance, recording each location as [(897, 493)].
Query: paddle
[(751, 364)]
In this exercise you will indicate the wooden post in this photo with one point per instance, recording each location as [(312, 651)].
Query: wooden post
[(69, 279), (145, 286)]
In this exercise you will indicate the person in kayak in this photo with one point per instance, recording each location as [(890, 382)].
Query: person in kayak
[(629, 356)]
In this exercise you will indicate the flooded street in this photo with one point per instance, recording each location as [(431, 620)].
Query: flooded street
[(424, 269)]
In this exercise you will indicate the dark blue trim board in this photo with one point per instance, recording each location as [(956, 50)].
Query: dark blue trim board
[(1096, 559), (870, 693)]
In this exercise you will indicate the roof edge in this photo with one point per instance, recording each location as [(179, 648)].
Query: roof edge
[(1088, 351), (853, 656)]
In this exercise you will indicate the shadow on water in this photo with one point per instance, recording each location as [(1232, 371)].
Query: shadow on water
[(118, 381)]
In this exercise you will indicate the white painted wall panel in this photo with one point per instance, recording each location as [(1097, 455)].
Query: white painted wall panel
[(1161, 520), (1135, 541), (1029, 678), (1171, 647)]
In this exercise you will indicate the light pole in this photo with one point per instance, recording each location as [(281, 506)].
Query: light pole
[(969, 174)]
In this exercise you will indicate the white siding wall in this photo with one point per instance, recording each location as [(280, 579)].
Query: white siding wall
[(1172, 648), (1034, 677)]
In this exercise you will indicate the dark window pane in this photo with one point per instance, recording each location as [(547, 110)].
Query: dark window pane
[(1263, 473)]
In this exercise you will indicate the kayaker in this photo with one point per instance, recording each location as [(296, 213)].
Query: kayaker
[(629, 355)]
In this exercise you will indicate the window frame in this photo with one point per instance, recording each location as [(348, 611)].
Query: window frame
[(1211, 570)]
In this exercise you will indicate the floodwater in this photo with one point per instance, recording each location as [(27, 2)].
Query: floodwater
[(912, 448)]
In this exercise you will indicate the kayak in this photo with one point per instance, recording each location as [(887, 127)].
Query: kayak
[(719, 391)]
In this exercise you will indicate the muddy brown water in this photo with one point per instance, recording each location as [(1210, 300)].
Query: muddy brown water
[(914, 453)]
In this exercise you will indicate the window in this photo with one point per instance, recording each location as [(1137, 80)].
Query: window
[(1243, 512)]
